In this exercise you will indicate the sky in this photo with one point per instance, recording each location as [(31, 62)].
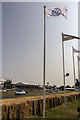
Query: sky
[(23, 38)]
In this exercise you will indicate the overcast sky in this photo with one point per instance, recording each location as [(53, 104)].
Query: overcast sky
[(22, 42)]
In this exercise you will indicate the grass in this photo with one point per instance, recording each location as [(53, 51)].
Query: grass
[(60, 112)]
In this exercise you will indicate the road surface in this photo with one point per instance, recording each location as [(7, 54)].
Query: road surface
[(27, 94)]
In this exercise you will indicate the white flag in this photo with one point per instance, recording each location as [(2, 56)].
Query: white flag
[(75, 50), (57, 11)]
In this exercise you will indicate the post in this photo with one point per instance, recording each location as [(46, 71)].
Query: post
[(44, 62), (78, 109), (78, 69), (74, 71), (63, 72), (34, 87), (78, 76)]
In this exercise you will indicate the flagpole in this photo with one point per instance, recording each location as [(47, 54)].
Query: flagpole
[(78, 70), (78, 79), (78, 67), (74, 71), (63, 72), (44, 62)]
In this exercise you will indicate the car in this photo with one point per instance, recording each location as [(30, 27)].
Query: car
[(13, 89), (26, 91), (50, 91), (4, 90), (56, 90), (20, 92)]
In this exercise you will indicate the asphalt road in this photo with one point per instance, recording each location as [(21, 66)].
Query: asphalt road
[(27, 94)]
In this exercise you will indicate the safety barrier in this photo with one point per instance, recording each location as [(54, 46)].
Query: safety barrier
[(33, 107)]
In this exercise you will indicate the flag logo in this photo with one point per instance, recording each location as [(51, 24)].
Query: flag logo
[(57, 11)]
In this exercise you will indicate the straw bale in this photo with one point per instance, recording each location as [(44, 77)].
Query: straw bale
[(41, 105), (56, 101), (47, 104), (59, 100), (4, 112), (14, 111), (23, 108)]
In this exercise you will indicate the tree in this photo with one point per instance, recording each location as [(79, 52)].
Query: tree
[(8, 84), (68, 86), (54, 86), (73, 86), (61, 88), (47, 85)]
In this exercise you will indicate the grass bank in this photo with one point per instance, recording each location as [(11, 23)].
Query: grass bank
[(60, 112)]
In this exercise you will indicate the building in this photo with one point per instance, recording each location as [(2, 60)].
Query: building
[(27, 86)]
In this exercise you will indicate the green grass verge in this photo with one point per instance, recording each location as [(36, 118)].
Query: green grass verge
[(60, 112)]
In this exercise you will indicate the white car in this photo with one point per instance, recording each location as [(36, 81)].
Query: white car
[(20, 92)]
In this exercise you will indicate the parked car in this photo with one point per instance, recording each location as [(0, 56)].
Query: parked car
[(50, 91), (13, 89), (20, 92), (26, 90)]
